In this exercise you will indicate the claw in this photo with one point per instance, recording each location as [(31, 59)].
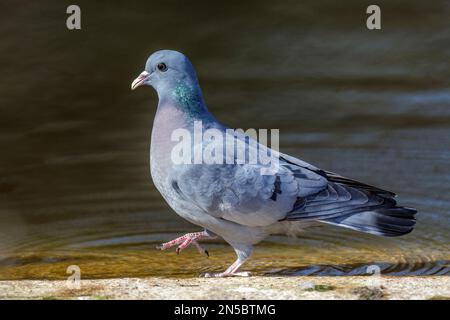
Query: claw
[(201, 249), (184, 241)]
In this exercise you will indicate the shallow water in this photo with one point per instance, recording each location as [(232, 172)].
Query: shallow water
[(74, 181)]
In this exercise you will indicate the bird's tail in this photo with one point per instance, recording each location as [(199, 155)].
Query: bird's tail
[(351, 204), (389, 222)]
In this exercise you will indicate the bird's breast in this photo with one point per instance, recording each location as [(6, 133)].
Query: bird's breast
[(168, 119)]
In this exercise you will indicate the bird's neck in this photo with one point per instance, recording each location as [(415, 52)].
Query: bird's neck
[(172, 115), (182, 107), (188, 98)]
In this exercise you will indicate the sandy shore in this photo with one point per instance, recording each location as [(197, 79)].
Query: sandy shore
[(255, 287)]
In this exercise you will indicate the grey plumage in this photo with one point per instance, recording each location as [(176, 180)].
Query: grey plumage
[(238, 202)]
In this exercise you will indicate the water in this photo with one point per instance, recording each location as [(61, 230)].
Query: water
[(74, 173)]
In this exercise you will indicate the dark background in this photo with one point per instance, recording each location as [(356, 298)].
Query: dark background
[(74, 140)]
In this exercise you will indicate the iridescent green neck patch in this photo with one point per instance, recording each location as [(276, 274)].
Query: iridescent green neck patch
[(188, 99)]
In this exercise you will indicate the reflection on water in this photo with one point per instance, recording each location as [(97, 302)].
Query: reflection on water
[(74, 182), (137, 257), (410, 268)]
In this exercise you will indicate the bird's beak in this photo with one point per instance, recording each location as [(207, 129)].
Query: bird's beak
[(140, 80)]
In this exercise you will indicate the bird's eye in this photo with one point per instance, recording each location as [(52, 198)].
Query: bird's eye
[(162, 67)]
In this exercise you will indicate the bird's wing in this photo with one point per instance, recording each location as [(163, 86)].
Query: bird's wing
[(334, 177), (352, 204), (296, 190), (243, 193)]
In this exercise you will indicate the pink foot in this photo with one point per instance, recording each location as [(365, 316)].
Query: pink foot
[(184, 241), (230, 272), (244, 274)]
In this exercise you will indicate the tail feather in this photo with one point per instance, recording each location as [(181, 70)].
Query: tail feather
[(362, 208), (388, 222)]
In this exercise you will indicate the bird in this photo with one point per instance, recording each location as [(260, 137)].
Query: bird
[(240, 202)]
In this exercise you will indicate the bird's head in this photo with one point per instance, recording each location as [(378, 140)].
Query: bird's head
[(164, 70), (173, 77)]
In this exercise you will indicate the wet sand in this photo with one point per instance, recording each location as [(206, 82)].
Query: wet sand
[(254, 287)]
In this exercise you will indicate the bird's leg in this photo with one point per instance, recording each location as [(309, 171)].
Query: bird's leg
[(230, 272), (189, 238), (243, 255)]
